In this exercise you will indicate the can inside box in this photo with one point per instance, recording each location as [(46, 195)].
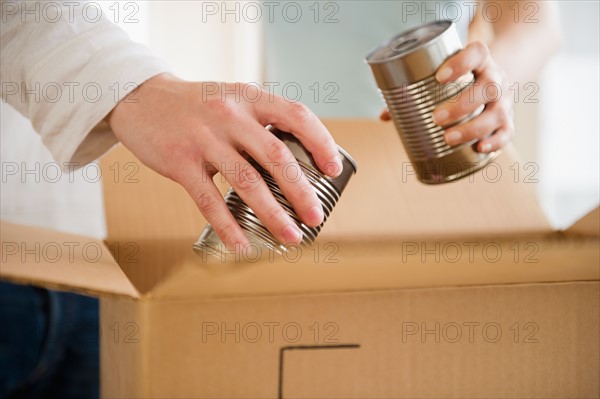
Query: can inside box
[(328, 191)]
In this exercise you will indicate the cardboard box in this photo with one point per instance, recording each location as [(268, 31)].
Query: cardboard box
[(461, 290)]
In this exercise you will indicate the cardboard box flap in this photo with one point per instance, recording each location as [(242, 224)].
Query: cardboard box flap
[(384, 199), (141, 205), (32, 255), (363, 266), (151, 220), (157, 221), (588, 225)]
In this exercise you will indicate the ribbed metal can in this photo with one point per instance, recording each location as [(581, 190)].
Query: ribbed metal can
[(404, 68), (328, 192)]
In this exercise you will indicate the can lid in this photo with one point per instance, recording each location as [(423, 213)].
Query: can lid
[(408, 41), (413, 55)]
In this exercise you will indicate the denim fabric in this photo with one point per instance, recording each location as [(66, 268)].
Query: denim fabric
[(48, 344)]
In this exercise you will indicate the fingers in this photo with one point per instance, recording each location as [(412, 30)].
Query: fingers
[(253, 190), (296, 118), (486, 89), (275, 157), (496, 141), (493, 118), (477, 128), (474, 57), (211, 204)]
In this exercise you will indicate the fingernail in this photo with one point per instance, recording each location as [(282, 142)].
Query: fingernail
[(338, 166), (315, 215), (487, 147), (440, 116), (453, 138), (443, 74), (292, 234)]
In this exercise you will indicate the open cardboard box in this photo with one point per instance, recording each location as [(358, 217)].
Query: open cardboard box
[(459, 290)]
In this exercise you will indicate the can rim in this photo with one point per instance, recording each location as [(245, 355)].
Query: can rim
[(349, 158), (369, 58)]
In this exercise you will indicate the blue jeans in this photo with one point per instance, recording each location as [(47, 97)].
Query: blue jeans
[(48, 344)]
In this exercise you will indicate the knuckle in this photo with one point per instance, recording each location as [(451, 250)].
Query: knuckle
[(210, 168), (247, 179), (480, 47), (277, 152), (503, 118), (484, 79), (206, 202), (252, 90), (465, 64), (300, 112), (306, 189), (226, 231), (463, 107), (304, 192), (471, 129), (291, 173), (175, 169), (221, 108), (503, 112), (273, 215), (491, 91)]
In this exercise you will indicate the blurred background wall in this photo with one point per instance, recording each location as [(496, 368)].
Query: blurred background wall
[(557, 117), (557, 126)]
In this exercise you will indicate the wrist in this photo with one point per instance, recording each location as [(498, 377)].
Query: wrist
[(121, 112)]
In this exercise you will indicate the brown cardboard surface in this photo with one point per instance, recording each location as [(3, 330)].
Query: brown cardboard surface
[(124, 342), (355, 266), (142, 205), (385, 200), (383, 203), (589, 225), (381, 220), (387, 261), (528, 340), (32, 255), (369, 354), (149, 215)]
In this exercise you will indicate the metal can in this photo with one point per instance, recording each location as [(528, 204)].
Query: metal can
[(404, 68), (328, 191)]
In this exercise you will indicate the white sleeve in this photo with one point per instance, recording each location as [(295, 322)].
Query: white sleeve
[(65, 70)]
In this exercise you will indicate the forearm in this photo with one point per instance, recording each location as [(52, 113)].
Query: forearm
[(523, 39), (66, 75)]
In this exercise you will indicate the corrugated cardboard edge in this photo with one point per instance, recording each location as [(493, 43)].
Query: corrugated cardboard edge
[(552, 259)]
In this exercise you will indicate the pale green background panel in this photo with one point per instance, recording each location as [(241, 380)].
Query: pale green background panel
[(323, 54)]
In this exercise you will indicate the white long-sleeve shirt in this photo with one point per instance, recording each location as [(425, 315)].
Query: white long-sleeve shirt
[(55, 59), (65, 66)]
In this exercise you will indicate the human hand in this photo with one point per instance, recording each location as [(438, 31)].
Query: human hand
[(494, 126), (189, 131)]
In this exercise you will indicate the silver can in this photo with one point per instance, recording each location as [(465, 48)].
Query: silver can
[(404, 68), (328, 191)]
